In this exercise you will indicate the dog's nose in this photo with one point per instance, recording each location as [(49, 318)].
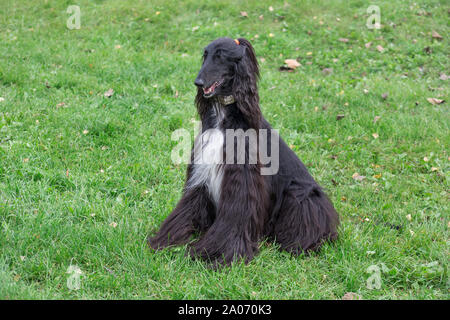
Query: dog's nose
[(199, 82)]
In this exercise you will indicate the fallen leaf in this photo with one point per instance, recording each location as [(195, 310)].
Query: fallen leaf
[(368, 45), (376, 119), (375, 135), (358, 177), (25, 160), (351, 296), (380, 48), (113, 224), (117, 46), (443, 76), (270, 8), (85, 131), (244, 14), (109, 93), (327, 71), (434, 169), (340, 116), (435, 101), (2, 99), (271, 35), (408, 217), (345, 40), (195, 28), (60, 105), (436, 35), (292, 63), (426, 159), (384, 96), (261, 17)]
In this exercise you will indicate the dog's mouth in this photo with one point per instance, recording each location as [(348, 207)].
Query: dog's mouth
[(209, 91)]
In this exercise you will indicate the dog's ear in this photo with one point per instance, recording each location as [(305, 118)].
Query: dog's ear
[(249, 56), (245, 87)]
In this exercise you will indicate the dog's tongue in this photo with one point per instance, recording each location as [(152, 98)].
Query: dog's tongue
[(210, 89)]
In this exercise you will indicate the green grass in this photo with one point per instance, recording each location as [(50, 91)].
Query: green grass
[(70, 173)]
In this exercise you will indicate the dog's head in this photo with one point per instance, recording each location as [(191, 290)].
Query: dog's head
[(227, 65)]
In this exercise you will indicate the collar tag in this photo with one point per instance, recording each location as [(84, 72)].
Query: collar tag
[(226, 100)]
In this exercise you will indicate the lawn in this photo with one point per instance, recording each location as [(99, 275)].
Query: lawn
[(85, 177)]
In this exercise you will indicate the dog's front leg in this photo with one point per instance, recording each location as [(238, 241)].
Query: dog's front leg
[(240, 217), (194, 212)]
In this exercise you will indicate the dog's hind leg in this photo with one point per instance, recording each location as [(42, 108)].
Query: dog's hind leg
[(306, 219), (194, 212)]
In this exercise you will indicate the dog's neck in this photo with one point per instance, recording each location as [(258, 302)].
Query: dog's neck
[(225, 100)]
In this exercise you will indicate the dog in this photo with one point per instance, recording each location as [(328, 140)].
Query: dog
[(231, 207)]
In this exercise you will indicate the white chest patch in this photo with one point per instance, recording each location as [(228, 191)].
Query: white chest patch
[(208, 158)]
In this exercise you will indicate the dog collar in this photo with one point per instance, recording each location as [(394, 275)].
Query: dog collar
[(226, 100)]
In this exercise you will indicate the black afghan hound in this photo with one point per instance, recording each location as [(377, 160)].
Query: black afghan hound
[(232, 206)]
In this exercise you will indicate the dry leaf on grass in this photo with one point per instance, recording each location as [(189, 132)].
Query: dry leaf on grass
[(327, 71), (340, 116), (109, 93), (358, 177), (292, 63), (380, 48), (436, 35), (345, 40), (351, 296), (244, 14), (375, 135), (376, 119), (368, 45), (435, 101)]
